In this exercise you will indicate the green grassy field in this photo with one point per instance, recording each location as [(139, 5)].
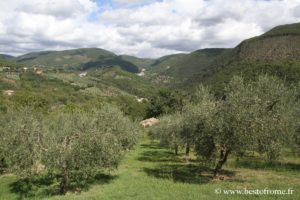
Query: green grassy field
[(150, 172)]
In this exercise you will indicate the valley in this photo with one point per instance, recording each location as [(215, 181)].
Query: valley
[(226, 119)]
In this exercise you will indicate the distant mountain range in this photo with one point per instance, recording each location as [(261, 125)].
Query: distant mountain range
[(4, 56), (275, 52), (77, 59)]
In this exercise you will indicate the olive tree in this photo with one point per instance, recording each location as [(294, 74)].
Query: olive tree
[(168, 131), (258, 115), (74, 145), (197, 115), (297, 117), (21, 140), (183, 128), (81, 144)]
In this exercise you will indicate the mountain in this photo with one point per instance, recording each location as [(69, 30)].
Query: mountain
[(276, 52), (5, 56), (178, 69), (77, 59), (280, 43)]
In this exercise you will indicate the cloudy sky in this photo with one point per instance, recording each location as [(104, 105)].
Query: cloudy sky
[(144, 28)]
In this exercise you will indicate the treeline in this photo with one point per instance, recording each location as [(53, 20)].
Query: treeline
[(73, 145), (261, 115)]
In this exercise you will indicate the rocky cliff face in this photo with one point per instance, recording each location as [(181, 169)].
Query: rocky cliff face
[(277, 48), (280, 43)]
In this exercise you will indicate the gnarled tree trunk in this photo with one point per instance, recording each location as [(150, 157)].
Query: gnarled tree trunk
[(224, 152), (176, 149)]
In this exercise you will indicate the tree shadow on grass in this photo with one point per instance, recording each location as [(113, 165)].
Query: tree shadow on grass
[(261, 164), (48, 185), (173, 167), (151, 145), (158, 156), (32, 187), (185, 173)]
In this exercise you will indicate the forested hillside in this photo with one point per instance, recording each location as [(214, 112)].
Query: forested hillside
[(179, 69), (275, 53), (77, 59)]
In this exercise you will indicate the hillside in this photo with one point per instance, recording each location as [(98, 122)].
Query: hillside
[(178, 69), (140, 62), (6, 57), (77, 59), (280, 43), (75, 124), (58, 89), (277, 52)]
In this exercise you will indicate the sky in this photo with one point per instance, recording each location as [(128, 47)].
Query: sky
[(143, 28)]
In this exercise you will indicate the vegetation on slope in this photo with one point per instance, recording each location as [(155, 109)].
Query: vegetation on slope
[(4, 56), (54, 90), (180, 68), (275, 53), (140, 62), (287, 29), (77, 59), (65, 138)]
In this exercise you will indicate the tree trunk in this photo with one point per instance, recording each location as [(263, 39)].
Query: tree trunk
[(187, 152), (222, 160), (64, 183), (176, 149)]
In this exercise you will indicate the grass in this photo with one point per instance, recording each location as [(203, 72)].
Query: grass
[(153, 173)]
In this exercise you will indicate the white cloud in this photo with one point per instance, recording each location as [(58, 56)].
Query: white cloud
[(155, 28), (132, 2)]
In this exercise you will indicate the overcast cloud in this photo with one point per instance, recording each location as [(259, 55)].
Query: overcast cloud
[(144, 28)]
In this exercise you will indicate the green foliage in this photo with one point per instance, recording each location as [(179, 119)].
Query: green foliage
[(183, 67), (151, 172), (289, 29), (124, 81), (35, 101), (275, 53), (165, 102), (140, 62), (75, 145), (21, 133), (168, 131), (131, 107), (289, 71), (259, 112), (200, 114), (256, 115), (180, 129), (77, 59)]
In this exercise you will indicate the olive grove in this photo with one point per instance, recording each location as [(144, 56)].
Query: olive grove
[(259, 115)]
